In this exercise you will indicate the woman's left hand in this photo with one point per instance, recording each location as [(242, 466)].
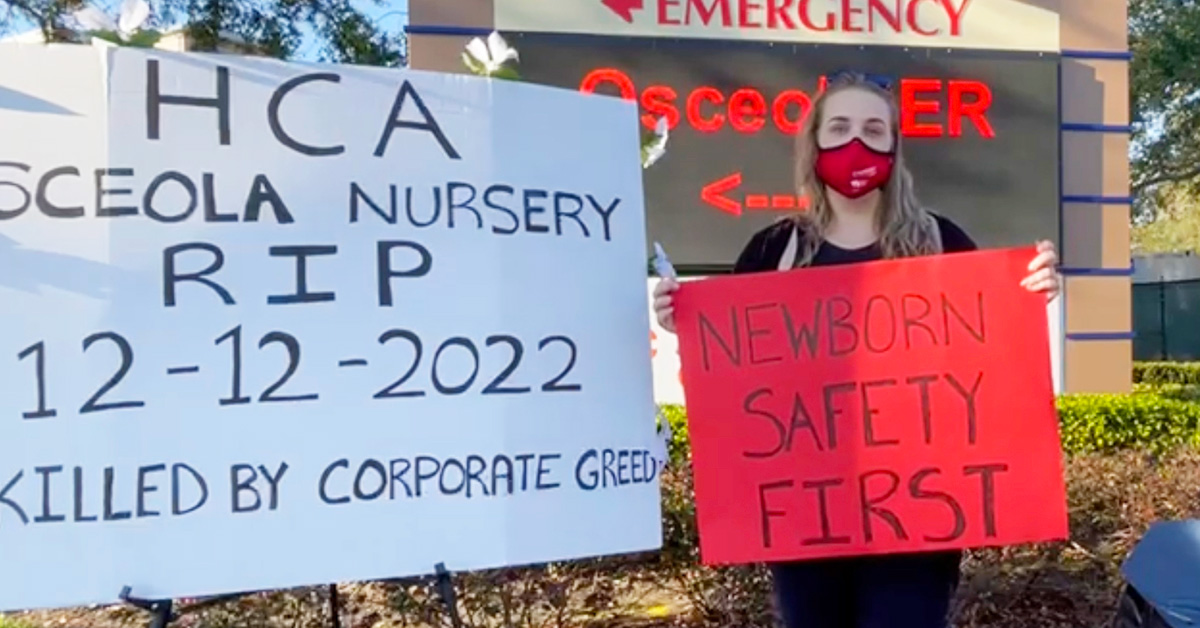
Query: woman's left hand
[(1042, 275)]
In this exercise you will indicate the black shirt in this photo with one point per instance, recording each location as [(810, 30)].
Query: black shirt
[(766, 247)]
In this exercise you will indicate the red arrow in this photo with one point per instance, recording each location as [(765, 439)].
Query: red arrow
[(714, 194), (624, 8)]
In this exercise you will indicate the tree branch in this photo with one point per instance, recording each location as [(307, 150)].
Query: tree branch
[(1172, 177), (47, 18), (28, 9)]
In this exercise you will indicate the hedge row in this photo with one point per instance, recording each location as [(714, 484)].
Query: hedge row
[(1156, 418), (1150, 419), (1159, 373)]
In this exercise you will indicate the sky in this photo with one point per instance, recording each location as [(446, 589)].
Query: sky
[(390, 15)]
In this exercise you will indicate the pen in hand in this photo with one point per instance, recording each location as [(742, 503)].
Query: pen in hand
[(662, 264), (664, 309)]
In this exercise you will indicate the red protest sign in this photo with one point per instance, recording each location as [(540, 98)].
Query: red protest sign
[(894, 406)]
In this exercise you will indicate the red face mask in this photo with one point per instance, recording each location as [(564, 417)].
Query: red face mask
[(854, 169)]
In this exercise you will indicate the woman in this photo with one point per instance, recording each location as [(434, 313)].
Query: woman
[(862, 208)]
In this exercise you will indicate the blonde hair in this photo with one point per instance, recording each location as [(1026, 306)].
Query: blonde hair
[(906, 229)]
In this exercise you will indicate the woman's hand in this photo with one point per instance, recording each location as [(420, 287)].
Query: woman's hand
[(1042, 275), (664, 307)]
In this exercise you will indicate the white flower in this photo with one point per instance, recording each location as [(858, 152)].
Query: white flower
[(488, 59), (654, 146), (134, 14)]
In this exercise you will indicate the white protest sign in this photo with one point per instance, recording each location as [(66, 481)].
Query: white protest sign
[(270, 324)]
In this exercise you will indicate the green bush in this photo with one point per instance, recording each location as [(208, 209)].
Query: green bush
[(1146, 420), (1159, 373), (676, 417), (1180, 392)]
